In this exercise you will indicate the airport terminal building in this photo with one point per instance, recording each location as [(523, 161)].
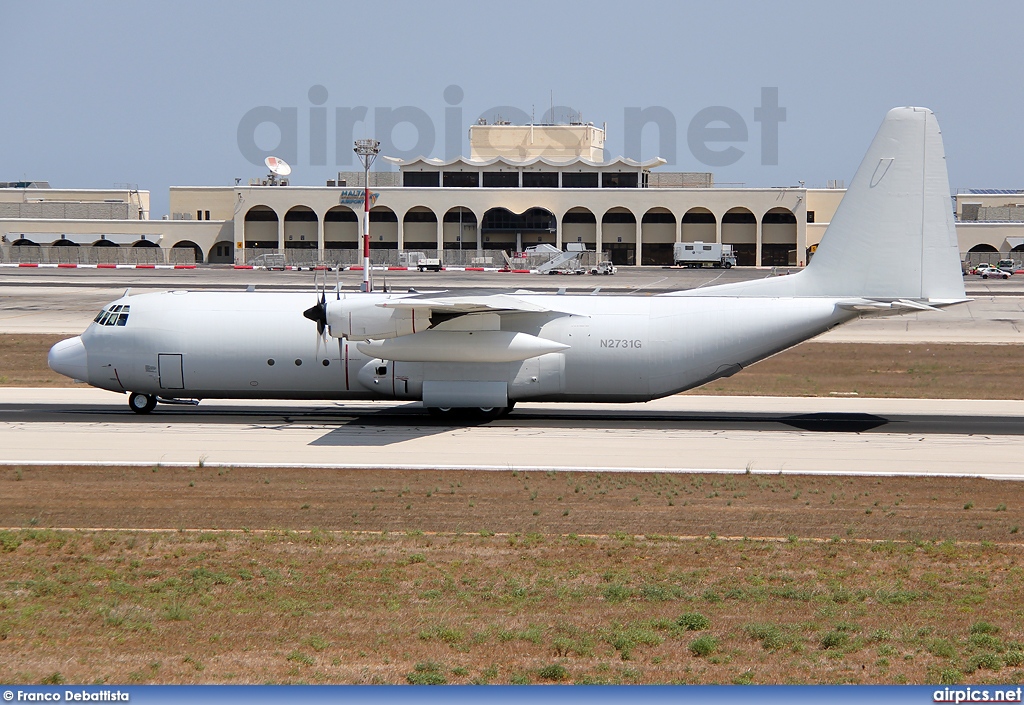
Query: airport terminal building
[(521, 186)]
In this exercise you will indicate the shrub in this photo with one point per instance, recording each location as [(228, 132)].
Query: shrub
[(769, 635), (442, 633), (176, 611), (950, 676), (426, 673), (941, 648), (553, 672), (834, 640), (9, 540), (984, 628), (655, 593), (616, 593), (693, 622), (987, 660), (703, 645), (299, 657), (1013, 658), (984, 641)]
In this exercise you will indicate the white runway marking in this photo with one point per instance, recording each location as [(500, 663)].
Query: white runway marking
[(678, 434)]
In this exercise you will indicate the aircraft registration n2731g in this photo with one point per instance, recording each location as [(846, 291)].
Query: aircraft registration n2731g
[(478, 354)]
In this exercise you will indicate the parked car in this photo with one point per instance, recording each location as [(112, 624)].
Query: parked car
[(994, 273)]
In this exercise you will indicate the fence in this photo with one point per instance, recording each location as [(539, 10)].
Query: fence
[(972, 259), (86, 254), (392, 257)]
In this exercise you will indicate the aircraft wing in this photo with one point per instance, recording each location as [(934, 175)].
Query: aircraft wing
[(379, 318), (463, 304)]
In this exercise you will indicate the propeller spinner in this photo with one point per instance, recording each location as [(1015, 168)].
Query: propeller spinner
[(318, 313)]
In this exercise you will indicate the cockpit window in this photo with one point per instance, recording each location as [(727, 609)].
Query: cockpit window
[(114, 316)]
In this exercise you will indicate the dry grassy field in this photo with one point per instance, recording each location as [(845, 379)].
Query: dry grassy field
[(240, 575), (221, 575)]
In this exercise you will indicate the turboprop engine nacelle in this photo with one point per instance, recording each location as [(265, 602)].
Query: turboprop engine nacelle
[(357, 319)]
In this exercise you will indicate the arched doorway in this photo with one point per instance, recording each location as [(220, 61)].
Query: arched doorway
[(260, 228), (459, 229), (981, 254), (300, 228), (419, 229), (146, 252), (222, 252), (383, 228), (105, 252), (618, 235), (699, 225), (185, 245), (778, 238), (504, 230), (657, 236), (341, 229), (579, 225), (739, 229)]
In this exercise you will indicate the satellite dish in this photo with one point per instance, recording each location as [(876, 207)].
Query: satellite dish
[(278, 166)]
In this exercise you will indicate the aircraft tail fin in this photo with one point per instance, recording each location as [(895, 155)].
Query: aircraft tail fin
[(892, 236)]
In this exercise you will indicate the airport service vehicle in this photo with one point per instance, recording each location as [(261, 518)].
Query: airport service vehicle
[(1007, 265), (703, 254), (604, 267), (480, 353), (994, 273), (420, 261)]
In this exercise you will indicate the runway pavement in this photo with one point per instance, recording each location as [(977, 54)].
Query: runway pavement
[(677, 434)]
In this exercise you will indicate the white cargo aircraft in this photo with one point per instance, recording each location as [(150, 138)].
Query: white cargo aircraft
[(478, 354)]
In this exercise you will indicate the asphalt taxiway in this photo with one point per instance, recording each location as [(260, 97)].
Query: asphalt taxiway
[(676, 434)]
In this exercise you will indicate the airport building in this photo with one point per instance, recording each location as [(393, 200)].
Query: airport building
[(522, 185)]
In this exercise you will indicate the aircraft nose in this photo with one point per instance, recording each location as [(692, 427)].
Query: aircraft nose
[(68, 357)]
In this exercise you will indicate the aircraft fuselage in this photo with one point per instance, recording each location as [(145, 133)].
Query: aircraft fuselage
[(619, 348)]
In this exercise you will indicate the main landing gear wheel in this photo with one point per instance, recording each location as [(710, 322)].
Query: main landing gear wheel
[(478, 414), (141, 403)]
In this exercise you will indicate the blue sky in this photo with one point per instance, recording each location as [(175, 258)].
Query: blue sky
[(99, 93)]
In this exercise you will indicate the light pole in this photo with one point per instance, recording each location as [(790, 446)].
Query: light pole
[(367, 150)]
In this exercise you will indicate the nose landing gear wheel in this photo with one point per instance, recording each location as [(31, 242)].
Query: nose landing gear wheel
[(141, 403)]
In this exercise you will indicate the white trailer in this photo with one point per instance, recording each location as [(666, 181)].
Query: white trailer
[(420, 261), (703, 254)]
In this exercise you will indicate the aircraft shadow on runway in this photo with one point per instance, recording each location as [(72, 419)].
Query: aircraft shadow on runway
[(366, 426)]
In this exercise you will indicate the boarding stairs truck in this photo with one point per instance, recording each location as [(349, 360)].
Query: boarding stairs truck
[(703, 254), (567, 262)]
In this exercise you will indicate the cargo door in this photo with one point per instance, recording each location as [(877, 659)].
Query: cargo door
[(169, 369)]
